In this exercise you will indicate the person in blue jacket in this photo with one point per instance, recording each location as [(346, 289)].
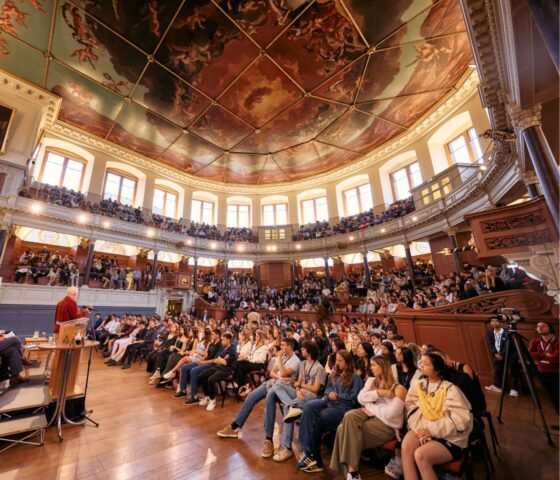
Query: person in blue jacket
[(321, 416)]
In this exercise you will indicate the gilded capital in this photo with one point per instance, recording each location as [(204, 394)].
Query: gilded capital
[(523, 118)]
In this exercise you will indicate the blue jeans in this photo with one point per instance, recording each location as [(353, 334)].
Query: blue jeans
[(194, 377), (319, 416), (185, 369), (287, 395), (252, 399)]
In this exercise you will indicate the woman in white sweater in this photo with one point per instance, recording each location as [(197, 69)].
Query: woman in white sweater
[(439, 421), (377, 422)]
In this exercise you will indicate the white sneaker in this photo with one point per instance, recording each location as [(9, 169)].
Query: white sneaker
[(157, 374), (169, 375), (394, 469), (350, 477), (514, 393), (492, 388), (211, 405), (204, 401)]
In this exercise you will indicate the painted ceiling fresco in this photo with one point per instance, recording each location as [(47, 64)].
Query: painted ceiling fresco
[(240, 91)]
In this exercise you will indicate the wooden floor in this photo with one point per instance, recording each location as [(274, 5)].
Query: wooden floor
[(145, 434)]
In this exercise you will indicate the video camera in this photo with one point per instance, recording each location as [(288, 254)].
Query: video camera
[(509, 316)]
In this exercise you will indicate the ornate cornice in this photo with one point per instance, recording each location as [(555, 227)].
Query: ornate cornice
[(461, 93), (48, 101)]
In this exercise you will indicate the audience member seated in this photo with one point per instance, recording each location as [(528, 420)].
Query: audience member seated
[(11, 359), (439, 421)]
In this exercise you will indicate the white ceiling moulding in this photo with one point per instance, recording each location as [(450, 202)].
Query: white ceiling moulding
[(466, 87)]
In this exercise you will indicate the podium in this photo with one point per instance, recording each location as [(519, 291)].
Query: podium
[(66, 335)]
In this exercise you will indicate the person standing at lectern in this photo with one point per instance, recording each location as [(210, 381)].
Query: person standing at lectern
[(67, 309)]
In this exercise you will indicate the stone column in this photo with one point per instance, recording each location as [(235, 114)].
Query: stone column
[(532, 183), (367, 276), (528, 126), (292, 275), (410, 265), (195, 274), (89, 261), (152, 285), (454, 246), (328, 273)]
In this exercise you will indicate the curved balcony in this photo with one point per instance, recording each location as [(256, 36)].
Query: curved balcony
[(472, 193)]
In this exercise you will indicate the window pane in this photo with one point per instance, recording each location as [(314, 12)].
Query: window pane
[(112, 185), (415, 174), (352, 206), (458, 150), (158, 205), (400, 182), (243, 219), (475, 144), (73, 175), (127, 191), (268, 215), (308, 211), (53, 169), (281, 214), (207, 213), (196, 211), (322, 209), (365, 196), (231, 220), (171, 205)]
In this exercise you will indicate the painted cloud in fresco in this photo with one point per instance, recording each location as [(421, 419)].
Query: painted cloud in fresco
[(240, 91)]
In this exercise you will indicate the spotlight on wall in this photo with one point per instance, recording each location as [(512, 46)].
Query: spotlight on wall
[(189, 242), (414, 219), (351, 237), (483, 168), (213, 245), (298, 246), (150, 233), (274, 248), (82, 218), (383, 230), (36, 208), (106, 224), (241, 248)]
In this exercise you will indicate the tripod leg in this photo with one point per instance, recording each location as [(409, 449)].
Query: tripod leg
[(525, 358), (504, 376)]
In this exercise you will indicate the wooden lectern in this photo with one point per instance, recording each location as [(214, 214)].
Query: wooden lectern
[(66, 336)]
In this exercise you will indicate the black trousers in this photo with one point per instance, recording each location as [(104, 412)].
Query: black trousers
[(549, 381), (513, 366), (171, 361), (132, 352), (243, 368), (10, 351), (210, 377)]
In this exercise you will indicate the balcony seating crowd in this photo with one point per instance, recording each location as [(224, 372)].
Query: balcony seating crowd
[(356, 222)]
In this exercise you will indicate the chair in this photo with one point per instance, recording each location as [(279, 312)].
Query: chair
[(221, 387), (458, 468)]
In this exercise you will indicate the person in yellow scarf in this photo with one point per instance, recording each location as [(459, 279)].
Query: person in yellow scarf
[(439, 421)]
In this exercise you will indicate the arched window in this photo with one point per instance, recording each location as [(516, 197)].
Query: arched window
[(203, 208), (120, 187), (274, 210), (165, 202), (405, 179), (465, 148), (62, 170), (357, 199)]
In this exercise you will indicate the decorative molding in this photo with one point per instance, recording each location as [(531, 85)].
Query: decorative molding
[(524, 118), (465, 89), (519, 240), (48, 101), (519, 221)]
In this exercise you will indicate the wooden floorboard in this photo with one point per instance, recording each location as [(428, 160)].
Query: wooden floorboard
[(144, 434)]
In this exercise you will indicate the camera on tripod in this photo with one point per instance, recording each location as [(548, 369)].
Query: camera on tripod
[(510, 316)]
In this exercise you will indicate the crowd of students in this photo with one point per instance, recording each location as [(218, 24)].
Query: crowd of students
[(360, 384), (59, 270), (353, 223)]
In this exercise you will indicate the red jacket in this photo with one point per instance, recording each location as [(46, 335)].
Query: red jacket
[(546, 355), (66, 310)]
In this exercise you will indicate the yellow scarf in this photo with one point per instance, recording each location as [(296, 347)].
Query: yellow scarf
[(431, 404)]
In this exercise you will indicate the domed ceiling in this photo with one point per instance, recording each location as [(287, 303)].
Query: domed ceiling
[(240, 91)]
